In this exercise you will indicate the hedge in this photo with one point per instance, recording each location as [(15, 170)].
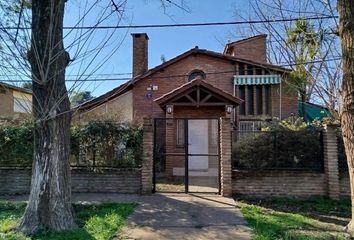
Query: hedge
[(96, 144), (280, 145)]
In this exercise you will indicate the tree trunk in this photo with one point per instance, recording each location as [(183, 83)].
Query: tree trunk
[(49, 205), (346, 32)]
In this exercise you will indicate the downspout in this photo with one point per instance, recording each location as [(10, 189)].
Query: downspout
[(280, 96), (234, 120)]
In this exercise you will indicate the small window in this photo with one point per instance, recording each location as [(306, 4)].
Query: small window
[(180, 132), (196, 74), (248, 126), (22, 105)]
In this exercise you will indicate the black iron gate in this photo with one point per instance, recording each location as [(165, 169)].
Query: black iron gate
[(186, 155)]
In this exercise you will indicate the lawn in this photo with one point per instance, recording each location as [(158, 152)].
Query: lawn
[(281, 218), (100, 221)]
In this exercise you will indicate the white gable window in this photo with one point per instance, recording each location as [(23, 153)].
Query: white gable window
[(22, 105)]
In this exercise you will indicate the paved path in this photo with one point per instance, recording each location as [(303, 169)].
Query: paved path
[(174, 216), (186, 216)]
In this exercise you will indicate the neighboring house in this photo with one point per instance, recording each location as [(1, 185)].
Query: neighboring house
[(15, 102), (189, 93)]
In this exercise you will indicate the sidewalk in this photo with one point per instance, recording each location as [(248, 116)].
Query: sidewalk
[(186, 216), (174, 216)]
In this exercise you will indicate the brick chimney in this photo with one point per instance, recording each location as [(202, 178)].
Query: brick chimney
[(140, 53), (253, 48)]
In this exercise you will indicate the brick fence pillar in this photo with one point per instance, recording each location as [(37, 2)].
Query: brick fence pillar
[(330, 154), (225, 157), (147, 164)]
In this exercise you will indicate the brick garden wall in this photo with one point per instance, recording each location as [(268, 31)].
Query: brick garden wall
[(285, 183), (115, 181), (264, 183), (14, 181), (17, 181), (344, 184), (279, 183)]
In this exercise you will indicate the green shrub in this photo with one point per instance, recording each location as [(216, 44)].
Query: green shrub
[(104, 143), (280, 144), (16, 144), (99, 143)]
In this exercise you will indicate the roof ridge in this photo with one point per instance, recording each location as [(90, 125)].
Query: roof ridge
[(6, 85)]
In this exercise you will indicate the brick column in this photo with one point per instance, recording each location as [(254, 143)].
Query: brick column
[(330, 155), (147, 165), (225, 157)]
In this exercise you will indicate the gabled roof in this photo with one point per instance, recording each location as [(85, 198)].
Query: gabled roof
[(197, 83), (20, 89), (194, 51), (105, 97), (211, 54)]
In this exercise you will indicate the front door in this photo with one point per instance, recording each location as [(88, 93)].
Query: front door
[(198, 145), (203, 158)]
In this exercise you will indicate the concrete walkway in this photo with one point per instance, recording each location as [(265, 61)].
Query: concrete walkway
[(186, 216), (174, 216)]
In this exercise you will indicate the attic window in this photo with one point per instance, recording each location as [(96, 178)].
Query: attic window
[(196, 74)]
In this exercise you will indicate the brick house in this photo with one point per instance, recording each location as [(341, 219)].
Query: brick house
[(15, 102), (188, 95)]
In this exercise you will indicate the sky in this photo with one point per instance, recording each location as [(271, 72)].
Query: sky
[(168, 42)]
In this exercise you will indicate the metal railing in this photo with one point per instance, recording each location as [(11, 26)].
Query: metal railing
[(270, 150)]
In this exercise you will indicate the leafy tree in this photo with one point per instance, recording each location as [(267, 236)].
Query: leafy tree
[(78, 98), (303, 39), (308, 44)]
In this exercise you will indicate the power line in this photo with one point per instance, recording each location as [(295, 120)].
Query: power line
[(78, 75), (72, 80), (183, 24), (174, 76), (284, 64)]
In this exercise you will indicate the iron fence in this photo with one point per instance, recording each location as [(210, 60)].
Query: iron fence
[(271, 150)]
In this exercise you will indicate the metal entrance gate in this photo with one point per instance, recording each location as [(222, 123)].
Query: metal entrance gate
[(186, 155)]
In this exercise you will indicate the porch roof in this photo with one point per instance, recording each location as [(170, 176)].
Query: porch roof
[(198, 93)]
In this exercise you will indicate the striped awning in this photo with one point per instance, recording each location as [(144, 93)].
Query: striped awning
[(256, 79)]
